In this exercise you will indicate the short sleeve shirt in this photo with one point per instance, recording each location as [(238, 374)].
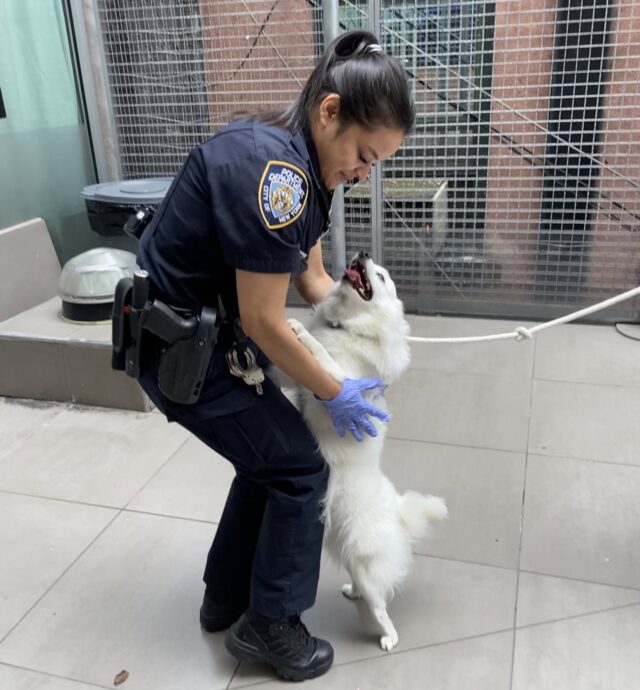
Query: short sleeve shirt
[(249, 198)]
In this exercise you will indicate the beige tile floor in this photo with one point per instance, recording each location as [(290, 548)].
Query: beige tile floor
[(532, 584)]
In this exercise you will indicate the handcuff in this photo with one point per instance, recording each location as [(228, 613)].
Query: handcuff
[(241, 360)]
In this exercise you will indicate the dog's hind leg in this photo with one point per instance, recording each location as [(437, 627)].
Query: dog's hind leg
[(378, 607), (351, 591)]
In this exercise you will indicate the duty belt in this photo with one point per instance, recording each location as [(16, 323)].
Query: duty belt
[(189, 340)]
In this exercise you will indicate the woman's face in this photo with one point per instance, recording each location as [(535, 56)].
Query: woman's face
[(349, 153)]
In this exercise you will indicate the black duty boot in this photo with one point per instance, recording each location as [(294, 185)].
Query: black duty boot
[(286, 645), (215, 616)]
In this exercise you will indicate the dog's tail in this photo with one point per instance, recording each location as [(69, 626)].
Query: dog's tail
[(417, 511)]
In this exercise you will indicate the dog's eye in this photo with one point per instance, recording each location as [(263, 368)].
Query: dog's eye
[(380, 276)]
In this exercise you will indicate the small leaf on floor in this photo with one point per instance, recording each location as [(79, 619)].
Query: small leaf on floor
[(121, 677)]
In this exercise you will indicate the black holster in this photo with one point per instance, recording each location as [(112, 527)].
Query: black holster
[(188, 341)]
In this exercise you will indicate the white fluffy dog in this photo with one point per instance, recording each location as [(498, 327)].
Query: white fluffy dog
[(359, 331)]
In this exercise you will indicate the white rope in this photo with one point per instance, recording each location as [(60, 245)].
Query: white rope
[(523, 333)]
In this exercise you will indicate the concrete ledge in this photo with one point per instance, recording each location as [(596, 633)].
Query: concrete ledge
[(29, 267), (45, 358)]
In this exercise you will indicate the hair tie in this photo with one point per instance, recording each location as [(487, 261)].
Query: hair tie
[(374, 48)]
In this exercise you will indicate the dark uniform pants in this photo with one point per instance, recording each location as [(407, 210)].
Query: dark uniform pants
[(268, 543)]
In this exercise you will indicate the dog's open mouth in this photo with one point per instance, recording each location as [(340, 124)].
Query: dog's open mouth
[(356, 274)]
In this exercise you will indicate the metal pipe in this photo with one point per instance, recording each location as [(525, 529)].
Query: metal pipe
[(331, 29), (377, 243), (86, 22)]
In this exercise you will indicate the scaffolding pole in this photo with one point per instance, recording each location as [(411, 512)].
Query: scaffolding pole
[(377, 243), (331, 27)]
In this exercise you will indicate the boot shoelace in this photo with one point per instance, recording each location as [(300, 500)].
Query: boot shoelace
[(301, 636)]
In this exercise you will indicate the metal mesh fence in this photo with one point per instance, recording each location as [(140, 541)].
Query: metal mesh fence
[(438, 210), (180, 69), (155, 58), (517, 191), (354, 14)]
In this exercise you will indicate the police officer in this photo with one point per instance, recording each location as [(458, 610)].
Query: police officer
[(243, 216)]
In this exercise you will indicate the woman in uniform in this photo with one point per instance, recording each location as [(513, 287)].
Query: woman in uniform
[(243, 217)]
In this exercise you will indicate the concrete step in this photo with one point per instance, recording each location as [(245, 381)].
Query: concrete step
[(41, 356), (46, 358)]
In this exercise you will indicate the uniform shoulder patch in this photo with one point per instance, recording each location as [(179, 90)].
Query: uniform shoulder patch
[(282, 194)]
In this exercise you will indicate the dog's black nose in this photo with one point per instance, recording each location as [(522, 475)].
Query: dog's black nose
[(363, 255)]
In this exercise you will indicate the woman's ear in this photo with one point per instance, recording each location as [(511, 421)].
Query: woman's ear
[(329, 110)]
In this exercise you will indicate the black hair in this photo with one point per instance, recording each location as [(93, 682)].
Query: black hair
[(373, 87)]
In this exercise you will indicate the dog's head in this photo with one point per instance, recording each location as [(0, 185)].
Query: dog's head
[(365, 303)]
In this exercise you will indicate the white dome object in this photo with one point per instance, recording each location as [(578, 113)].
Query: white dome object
[(88, 281)]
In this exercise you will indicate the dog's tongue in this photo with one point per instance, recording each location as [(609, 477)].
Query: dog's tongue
[(353, 275)]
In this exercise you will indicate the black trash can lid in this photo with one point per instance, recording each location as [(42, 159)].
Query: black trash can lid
[(126, 192)]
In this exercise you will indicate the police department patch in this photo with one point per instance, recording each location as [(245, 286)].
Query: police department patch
[(282, 195)]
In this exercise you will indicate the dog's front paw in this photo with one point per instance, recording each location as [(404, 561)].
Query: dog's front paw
[(295, 326), (388, 642), (350, 591)]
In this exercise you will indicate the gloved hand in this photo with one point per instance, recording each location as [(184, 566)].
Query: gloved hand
[(349, 409)]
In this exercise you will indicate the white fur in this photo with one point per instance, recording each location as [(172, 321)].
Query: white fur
[(369, 526)]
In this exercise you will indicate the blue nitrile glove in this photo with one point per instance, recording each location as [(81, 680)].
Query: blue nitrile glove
[(349, 409)]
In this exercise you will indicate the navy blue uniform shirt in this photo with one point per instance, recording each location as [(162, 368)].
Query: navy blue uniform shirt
[(249, 198)]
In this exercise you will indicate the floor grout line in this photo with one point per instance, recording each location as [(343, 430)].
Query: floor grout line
[(589, 383), (184, 518), (614, 463), (120, 509), (528, 571), (72, 501), (390, 436), (60, 576), (54, 675), (463, 561), (155, 474), (580, 579), (523, 451), (522, 507), (233, 675), (575, 616)]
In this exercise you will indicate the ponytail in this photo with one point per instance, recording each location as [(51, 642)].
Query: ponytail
[(373, 87)]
